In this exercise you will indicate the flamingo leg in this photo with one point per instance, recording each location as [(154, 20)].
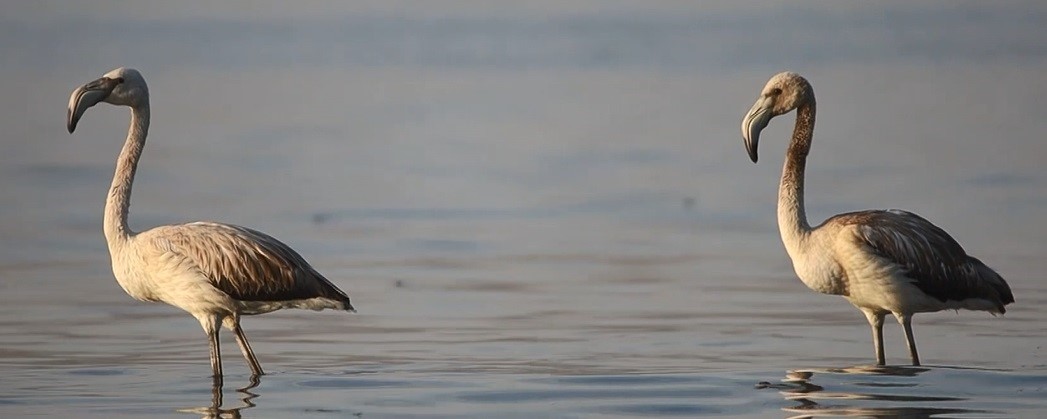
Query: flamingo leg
[(216, 356), (876, 323), (211, 323), (245, 348), (906, 321), (233, 323)]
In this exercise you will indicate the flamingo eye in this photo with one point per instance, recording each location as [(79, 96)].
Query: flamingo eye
[(776, 91)]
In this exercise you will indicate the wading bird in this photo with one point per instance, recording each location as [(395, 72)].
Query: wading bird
[(883, 262), (216, 272)]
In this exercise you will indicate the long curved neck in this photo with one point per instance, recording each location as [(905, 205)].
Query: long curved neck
[(119, 199), (792, 218)]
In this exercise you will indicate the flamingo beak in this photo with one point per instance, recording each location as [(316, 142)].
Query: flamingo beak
[(85, 97), (753, 123)]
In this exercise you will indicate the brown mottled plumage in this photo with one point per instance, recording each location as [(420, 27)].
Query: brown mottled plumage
[(881, 261), (253, 266), (216, 272), (935, 262)]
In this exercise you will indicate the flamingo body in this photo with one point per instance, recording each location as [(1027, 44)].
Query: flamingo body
[(215, 272), (881, 261)]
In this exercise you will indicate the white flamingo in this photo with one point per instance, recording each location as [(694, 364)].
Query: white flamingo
[(883, 262), (216, 272)]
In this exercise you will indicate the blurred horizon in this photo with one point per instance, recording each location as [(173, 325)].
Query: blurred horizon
[(589, 34)]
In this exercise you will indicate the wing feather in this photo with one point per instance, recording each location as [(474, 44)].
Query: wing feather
[(936, 263), (247, 264)]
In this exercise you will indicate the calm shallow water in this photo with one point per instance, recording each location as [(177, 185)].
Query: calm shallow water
[(871, 392), (539, 211)]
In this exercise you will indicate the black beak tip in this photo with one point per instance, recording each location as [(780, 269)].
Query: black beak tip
[(70, 124), (751, 151)]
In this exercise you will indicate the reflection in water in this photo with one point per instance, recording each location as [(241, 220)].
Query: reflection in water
[(215, 410), (865, 398)]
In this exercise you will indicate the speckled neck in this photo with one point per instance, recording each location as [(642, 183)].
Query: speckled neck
[(792, 217), (119, 199)]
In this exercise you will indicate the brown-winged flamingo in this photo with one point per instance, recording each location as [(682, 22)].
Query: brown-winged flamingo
[(216, 272), (882, 261)]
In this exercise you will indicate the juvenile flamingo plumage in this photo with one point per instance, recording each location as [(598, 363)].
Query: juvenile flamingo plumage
[(882, 261), (216, 272)]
